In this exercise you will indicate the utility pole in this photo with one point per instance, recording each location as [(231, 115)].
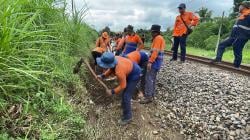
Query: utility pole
[(219, 34), (72, 7)]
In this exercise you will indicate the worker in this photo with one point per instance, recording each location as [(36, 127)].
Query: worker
[(132, 41), (128, 75), (183, 26), (121, 44), (154, 63), (102, 44), (239, 36), (143, 38), (141, 58), (118, 38), (112, 44)]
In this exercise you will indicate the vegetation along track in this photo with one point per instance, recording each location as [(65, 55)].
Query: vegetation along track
[(244, 70)]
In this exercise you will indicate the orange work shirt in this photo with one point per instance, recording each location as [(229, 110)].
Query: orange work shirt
[(134, 56), (157, 46), (244, 13), (121, 44), (134, 39), (179, 27), (101, 45), (122, 70)]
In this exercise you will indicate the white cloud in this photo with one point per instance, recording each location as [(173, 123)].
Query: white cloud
[(117, 14)]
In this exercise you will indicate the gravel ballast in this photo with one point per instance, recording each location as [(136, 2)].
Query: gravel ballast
[(205, 102)]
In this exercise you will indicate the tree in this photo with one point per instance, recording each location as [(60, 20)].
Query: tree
[(146, 33), (205, 14), (236, 5), (236, 8), (108, 30), (200, 34), (169, 31)]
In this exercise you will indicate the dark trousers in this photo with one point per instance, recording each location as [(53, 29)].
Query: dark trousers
[(180, 41), (143, 76), (126, 98), (118, 52), (238, 45), (150, 83)]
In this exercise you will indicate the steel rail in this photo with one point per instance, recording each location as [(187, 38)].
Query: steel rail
[(244, 70)]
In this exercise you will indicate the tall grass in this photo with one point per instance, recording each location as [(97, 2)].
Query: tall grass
[(39, 44)]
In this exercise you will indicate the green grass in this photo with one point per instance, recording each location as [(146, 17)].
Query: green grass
[(39, 45), (228, 55)]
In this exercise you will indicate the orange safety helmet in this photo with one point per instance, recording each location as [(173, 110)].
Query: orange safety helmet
[(105, 35)]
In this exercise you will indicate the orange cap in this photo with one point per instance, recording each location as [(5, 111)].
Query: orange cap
[(105, 35)]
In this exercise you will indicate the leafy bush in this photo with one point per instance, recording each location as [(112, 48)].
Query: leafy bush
[(201, 33), (207, 31), (211, 42), (38, 48)]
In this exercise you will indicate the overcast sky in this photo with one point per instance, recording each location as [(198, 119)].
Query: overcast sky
[(143, 13)]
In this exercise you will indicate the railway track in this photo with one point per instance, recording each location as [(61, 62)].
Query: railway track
[(244, 70)]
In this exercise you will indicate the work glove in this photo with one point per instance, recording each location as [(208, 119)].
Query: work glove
[(101, 77)]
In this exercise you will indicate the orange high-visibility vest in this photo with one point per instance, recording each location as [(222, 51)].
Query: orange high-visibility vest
[(179, 27), (101, 45)]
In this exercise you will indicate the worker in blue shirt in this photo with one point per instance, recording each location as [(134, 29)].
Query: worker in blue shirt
[(239, 36)]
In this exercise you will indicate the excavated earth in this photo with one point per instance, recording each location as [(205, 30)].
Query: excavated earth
[(194, 101)]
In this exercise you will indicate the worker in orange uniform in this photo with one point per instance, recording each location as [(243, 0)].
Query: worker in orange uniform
[(143, 38), (183, 27), (101, 46), (121, 44), (118, 38), (141, 58), (154, 63), (128, 75), (239, 36), (132, 41)]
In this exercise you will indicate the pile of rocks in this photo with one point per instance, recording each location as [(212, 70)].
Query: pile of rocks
[(205, 102)]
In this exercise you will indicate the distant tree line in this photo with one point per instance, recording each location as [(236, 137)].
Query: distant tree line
[(205, 35)]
